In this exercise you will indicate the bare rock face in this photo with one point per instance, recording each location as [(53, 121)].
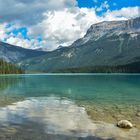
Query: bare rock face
[(125, 124)]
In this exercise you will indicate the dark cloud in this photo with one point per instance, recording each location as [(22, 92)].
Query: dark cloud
[(29, 12)]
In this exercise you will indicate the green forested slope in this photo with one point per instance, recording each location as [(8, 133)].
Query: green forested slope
[(8, 68)]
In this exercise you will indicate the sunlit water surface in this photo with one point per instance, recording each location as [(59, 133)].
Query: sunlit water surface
[(69, 107)]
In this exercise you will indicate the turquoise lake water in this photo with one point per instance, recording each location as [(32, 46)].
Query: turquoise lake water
[(68, 107)]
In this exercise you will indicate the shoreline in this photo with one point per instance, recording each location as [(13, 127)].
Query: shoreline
[(67, 74), (113, 114), (80, 120)]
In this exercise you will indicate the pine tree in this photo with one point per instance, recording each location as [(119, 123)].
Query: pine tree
[(8, 68)]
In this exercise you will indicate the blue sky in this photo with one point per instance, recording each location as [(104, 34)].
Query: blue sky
[(114, 4), (47, 24)]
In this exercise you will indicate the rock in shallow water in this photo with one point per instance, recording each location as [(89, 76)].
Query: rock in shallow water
[(138, 114), (125, 124)]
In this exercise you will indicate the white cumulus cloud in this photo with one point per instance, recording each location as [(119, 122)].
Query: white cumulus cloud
[(28, 44), (124, 13), (55, 22), (64, 27), (103, 6)]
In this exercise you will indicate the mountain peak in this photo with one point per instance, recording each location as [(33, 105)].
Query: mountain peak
[(101, 29), (111, 26), (114, 44)]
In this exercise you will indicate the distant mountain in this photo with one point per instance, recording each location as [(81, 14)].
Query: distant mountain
[(41, 49), (14, 54), (110, 46), (59, 47)]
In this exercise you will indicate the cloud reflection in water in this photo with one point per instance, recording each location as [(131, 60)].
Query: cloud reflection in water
[(59, 117)]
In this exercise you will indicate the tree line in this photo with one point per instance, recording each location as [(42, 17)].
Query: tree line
[(128, 68), (9, 68)]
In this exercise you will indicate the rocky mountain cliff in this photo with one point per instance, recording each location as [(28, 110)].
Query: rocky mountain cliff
[(106, 45), (110, 46)]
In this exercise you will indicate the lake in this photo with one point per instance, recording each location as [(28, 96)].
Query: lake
[(69, 106)]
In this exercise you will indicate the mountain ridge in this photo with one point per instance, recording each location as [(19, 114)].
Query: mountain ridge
[(14, 54), (118, 45), (109, 44)]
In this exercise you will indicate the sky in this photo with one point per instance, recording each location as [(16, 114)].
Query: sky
[(48, 24)]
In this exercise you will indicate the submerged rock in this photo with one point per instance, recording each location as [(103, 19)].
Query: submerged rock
[(125, 124), (138, 114)]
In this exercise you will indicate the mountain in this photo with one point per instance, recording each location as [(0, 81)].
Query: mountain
[(41, 49), (15, 54), (110, 46)]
